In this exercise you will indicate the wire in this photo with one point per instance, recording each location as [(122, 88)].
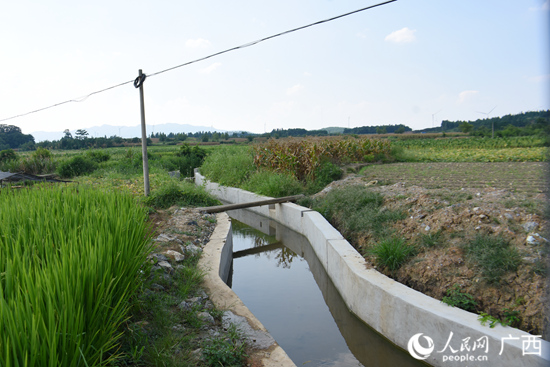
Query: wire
[(273, 36), (81, 99)]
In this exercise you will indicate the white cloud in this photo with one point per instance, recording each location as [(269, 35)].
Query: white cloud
[(294, 89), (467, 94), (401, 36), (198, 43), (211, 68)]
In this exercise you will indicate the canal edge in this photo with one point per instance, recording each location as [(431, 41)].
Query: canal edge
[(215, 262)]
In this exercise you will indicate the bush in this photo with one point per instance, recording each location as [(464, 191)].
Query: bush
[(42, 153), (326, 173), (494, 255), (7, 155), (76, 166), (98, 156), (392, 252)]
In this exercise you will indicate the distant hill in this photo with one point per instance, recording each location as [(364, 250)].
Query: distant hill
[(125, 131)]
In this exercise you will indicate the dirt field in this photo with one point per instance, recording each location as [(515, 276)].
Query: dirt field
[(529, 177)]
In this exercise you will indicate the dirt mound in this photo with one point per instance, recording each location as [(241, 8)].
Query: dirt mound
[(440, 222)]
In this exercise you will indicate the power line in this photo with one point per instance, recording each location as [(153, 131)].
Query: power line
[(273, 36), (81, 99)]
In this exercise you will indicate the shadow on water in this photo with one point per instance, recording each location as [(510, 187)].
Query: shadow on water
[(272, 274)]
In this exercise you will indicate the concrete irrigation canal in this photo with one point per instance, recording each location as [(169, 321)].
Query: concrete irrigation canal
[(278, 276), (342, 313)]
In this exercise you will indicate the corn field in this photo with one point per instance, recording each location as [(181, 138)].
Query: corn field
[(70, 260), (302, 157)]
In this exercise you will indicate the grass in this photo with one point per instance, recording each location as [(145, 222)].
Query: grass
[(69, 263), (494, 255), (392, 252), (355, 210)]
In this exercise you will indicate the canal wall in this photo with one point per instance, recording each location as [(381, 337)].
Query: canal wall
[(394, 310)]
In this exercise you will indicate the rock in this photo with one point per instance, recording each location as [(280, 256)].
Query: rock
[(193, 249), (165, 265), (530, 226), (535, 239), (174, 255), (427, 228), (192, 223), (185, 306), (157, 257), (508, 216), (371, 183), (206, 317)]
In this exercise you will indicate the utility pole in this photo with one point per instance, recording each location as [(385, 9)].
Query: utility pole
[(138, 83)]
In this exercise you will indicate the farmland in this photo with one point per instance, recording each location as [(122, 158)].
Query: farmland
[(436, 177)]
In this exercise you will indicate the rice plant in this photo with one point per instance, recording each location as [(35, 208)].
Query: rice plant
[(70, 260)]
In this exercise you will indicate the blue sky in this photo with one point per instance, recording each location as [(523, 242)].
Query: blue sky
[(412, 62)]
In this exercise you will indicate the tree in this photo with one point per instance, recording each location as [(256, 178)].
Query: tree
[(400, 130), (466, 127), (12, 137), (81, 134), (68, 134), (381, 130)]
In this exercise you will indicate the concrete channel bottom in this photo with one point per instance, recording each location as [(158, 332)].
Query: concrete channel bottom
[(430, 330)]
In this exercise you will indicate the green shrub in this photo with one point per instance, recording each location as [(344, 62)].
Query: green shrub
[(494, 255), (183, 194), (392, 252), (98, 156), (326, 173), (42, 153), (456, 298), (76, 166), (7, 155)]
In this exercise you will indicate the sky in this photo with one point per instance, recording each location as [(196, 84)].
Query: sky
[(411, 62)]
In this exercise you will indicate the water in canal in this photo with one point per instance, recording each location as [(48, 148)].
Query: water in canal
[(279, 278)]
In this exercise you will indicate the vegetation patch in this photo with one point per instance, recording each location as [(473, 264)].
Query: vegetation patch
[(456, 298), (182, 194), (392, 252), (494, 255)]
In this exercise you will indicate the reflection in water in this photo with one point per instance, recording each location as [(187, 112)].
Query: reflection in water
[(304, 313)]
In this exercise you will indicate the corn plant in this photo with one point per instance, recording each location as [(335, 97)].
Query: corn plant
[(303, 157), (70, 260)]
